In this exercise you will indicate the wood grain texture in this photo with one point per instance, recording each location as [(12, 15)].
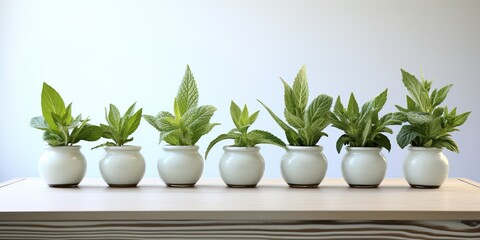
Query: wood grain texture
[(31, 199), (238, 230)]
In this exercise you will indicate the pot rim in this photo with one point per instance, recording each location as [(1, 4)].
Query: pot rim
[(63, 147), (412, 148), (364, 148), (181, 147), (241, 149), (123, 148), (305, 148)]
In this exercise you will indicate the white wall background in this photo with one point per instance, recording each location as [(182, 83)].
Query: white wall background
[(100, 52)]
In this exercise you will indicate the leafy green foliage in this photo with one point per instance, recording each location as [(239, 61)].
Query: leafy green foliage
[(119, 128), (305, 124), (429, 124), (240, 134), (189, 121), (58, 124), (363, 127)]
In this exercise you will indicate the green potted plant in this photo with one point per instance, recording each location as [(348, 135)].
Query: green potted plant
[(363, 165), (241, 164), (182, 165), (61, 163), (122, 165), (303, 164), (427, 132)]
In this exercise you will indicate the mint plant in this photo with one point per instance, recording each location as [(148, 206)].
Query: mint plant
[(58, 124), (119, 127), (429, 125), (363, 127), (240, 134), (189, 121), (305, 124)]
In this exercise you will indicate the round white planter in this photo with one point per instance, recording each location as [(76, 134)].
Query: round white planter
[(181, 166), (62, 166), (303, 166), (425, 167), (241, 166), (122, 166), (364, 166)]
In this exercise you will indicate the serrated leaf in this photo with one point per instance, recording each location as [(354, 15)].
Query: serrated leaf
[(292, 136), (338, 108), (319, 108), (406, 136), (441, 95), (352, 108), (187, 95), (300, 92), (264, 137), (53, 139), (288, 96), (293, 120), (380, 100)]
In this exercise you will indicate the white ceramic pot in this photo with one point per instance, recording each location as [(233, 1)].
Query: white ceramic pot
[(62, 166), (181, 166), (364, 166), (122, 166), (425, 167), (241, 166), (303, 166)]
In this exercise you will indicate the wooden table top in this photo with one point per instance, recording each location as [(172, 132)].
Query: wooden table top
[(31, 199)]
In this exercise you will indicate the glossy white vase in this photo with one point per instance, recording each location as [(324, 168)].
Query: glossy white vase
[(304, 166), (122, 166), (62, 166), (241, 166), (180, 166), (425, 167), (364, 166)]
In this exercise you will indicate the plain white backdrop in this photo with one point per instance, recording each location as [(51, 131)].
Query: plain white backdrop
[(100, 52)]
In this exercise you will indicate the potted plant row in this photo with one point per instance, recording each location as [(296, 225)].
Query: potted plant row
[(427, 131)]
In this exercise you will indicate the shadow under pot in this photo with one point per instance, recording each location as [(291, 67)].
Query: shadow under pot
[(241, 167), (180, 166), (122, 166), (303, 166), (425, 167), (364, 167), (62, 166)]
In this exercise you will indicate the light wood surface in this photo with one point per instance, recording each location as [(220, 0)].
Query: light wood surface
[(31, 199)]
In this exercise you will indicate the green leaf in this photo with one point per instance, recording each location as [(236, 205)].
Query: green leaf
[(419, 117), (264, 137), (51, 102), (352, 108), (341, 141), (293, 120), (338, 109), (461, 119), (53, 139), (39, 123), (300, 92), (292, 136), (406, 136), (113, 117), (441, 95), (319, 108), (221, 137), (382, 141), (187, 95), (89, 133), (380, 100), (288, 96), (236, 114), (107, 144), (253, 117), (133, 123), (130, 110)]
